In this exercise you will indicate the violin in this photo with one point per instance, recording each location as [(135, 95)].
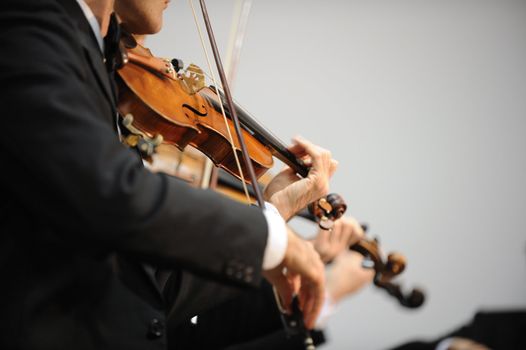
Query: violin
[(163, 106), (386, 269), (177, 108), (178, 111)]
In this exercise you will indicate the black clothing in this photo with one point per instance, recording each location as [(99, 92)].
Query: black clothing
[(250, 321), (80, 213), (499, 330)]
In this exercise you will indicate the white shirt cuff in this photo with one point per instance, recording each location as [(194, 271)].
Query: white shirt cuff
[(444, 344), (277, 239)]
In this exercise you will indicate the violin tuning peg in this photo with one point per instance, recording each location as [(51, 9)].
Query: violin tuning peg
[(325, 206), (365, 227), (177, 64), (396, 263), (127, 120), (416, 298), (337, 205), (157, 140)]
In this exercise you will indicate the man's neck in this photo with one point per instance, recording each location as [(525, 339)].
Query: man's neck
[(102, 10)]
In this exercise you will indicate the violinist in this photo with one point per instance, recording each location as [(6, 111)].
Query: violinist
[(82, 220)]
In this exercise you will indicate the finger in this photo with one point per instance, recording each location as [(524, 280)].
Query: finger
[(307, 305), (323, 235), (347, 232), (333, 166), (336, 239), (285, 292), (314, 291), (343, 242), (313, 305), (307, 162), (301, 154), (294, 281), (357, 231), (297, 149), (302, 297), (319, 155), (336, 232), (322, 243)]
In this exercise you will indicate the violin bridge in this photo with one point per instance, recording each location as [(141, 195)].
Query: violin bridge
[(193, 79)]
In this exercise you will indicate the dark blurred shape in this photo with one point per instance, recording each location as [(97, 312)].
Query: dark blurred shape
[(412, 300), (496, 330)]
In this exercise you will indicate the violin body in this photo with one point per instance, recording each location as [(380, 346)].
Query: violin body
[(160, 104)]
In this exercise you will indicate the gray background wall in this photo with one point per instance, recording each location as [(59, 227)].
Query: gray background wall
[(424, 105)]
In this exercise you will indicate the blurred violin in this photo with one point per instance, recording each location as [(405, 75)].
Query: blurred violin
[(189, 165), (386, 269)]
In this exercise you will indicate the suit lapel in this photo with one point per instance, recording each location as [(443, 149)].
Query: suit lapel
[(95, 59), (91, 47), (97, 67)]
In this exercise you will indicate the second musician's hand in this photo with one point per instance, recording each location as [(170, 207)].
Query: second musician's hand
[(345, 232), (290, 193)]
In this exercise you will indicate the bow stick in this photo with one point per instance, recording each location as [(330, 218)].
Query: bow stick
[(293, 323)]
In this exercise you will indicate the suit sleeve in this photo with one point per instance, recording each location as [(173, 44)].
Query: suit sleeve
[(67, 167)]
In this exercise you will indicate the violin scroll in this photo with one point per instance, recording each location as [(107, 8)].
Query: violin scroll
[(328, 209), (395, 265), (386, 270)]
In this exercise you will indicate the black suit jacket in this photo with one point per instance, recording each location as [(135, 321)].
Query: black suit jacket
[(79, 211), (249, 321)]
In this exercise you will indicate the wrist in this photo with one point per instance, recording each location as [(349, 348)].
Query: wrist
[(281, 205), (337, 288), (292, 247)]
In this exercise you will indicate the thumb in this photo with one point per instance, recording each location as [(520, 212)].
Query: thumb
[(284, 289)]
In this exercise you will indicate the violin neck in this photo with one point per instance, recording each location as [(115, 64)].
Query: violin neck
[(278, 148)]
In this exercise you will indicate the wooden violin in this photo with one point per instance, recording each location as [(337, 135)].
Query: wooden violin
[(386, 269), (160, 102), (161, 106)]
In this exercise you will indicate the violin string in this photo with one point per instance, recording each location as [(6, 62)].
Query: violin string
[(245, 189), (254, 118)]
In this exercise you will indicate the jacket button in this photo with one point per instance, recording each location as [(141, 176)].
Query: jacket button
[(155, 329), (248, 278)]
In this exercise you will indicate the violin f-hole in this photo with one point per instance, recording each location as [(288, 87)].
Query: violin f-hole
[(201, 114)]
